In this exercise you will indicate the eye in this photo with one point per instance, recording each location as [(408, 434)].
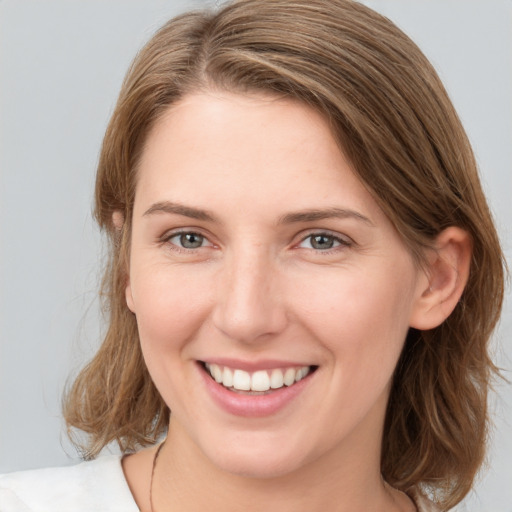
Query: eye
[(188, 240), (323, 242)]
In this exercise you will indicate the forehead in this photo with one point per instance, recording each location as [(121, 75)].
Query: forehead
[(261, 124), (246, 149)]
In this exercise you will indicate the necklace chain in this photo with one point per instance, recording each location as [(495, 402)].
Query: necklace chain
[(157, 453), (155, 458)]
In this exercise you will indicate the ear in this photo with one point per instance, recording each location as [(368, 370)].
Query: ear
[(128, 295), (118, 219), (444, 280), (118, 223)]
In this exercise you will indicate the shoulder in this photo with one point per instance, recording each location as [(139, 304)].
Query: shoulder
[(97, 485)]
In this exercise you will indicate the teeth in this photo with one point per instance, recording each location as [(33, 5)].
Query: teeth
[(258, 381), (227, 377), (217, 373), (289, 376), (301, 374), (276, 379), (241, 380)]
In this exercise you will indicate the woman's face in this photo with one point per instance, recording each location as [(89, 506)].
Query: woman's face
[(257, 256)]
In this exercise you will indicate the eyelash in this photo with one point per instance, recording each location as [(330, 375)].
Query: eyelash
[(341, 242), (166, 239)]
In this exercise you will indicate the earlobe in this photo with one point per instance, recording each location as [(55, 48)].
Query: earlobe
[(118, 220), (118, 223), (129, 297), (444, 279)]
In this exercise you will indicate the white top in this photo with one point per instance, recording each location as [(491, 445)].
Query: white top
[(95, 486)]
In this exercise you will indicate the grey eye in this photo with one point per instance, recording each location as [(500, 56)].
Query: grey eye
[(190, 240), (322, 242)]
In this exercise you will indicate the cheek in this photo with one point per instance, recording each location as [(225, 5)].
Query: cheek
[(362, 323), (169, 306), (170, 310), (359, 316)]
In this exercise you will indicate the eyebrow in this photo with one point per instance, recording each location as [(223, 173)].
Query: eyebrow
[(322, 214), (289, 218), (180, 209)]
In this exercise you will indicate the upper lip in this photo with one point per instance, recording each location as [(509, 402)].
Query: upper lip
[(253, 366)]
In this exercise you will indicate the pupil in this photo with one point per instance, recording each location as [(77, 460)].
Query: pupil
[(322, 242), (191, 240)]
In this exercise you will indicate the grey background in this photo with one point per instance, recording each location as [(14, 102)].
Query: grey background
[(61, 67)]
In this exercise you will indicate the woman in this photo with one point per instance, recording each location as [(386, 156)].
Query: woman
[(303, 270)]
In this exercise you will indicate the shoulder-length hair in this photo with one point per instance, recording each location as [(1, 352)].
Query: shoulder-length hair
[(393, 119)]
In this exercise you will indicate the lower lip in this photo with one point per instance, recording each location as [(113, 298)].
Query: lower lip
[(252, 406)]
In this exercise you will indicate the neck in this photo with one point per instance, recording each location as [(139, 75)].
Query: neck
[(185, 479)]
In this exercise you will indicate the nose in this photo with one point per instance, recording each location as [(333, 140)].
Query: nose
[(249, 299)]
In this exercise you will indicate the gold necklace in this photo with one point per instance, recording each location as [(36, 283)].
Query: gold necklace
[(152, 475)]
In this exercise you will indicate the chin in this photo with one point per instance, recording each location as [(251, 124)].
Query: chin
[(256, 459), (258, 469)]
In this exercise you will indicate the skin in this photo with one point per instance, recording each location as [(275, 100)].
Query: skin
[(257, 289)]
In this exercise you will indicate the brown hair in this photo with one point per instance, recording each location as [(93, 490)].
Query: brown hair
[(394, 120)]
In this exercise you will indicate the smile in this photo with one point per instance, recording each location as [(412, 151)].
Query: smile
[(259, 381)]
